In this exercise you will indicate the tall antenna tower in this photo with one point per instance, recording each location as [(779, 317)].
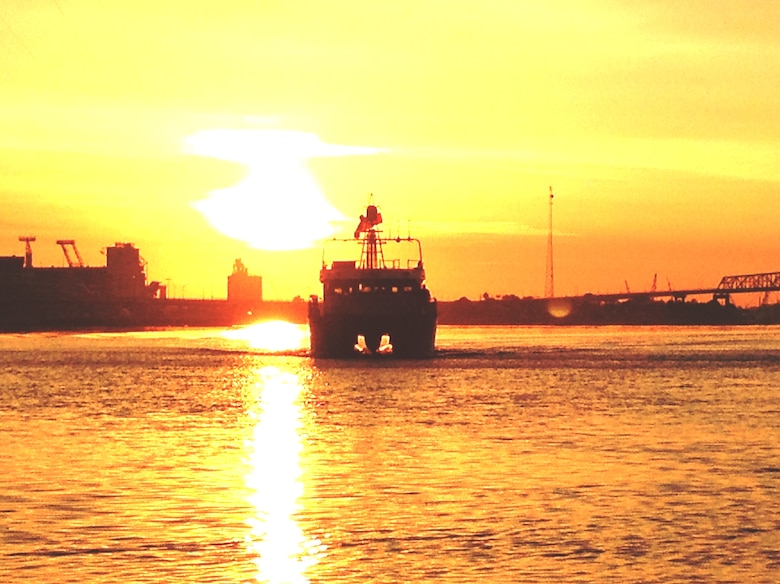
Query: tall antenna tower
[(549, 280)]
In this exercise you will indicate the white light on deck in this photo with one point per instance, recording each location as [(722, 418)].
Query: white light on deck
[(361, 346), (385, 347)]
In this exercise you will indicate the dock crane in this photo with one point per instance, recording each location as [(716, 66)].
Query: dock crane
[(27, 249), (70, 243)]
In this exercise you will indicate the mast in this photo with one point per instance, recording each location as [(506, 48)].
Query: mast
[(371, 257)]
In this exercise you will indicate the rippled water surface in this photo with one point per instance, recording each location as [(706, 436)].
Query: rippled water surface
[(517, 455)]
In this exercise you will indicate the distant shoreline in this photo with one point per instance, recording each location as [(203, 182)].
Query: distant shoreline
[(507, 310), (582, 311)]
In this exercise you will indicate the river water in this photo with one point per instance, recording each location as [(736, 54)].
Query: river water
[(519, 454)]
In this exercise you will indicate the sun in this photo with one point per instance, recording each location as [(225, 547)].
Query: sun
[(278, 205)]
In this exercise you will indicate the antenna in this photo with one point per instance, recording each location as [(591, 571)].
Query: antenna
[(549, 281)]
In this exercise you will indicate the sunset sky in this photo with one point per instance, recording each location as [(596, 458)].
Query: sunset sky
[(202, 131)]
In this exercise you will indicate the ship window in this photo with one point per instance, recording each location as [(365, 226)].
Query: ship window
[(338, 290), (395, 289), (407, 288)]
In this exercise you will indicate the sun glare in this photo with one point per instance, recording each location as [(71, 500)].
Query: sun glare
[(559, 307), (278, 205), (272, 335)]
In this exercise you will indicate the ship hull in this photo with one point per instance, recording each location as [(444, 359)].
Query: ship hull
[(412, 334)]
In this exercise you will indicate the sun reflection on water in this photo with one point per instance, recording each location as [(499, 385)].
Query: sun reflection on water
[(271, 335), (281, 550)]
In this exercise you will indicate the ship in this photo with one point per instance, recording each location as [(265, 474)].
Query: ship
[(377, 305)]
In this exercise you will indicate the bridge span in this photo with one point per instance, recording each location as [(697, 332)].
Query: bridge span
[(728, 285)]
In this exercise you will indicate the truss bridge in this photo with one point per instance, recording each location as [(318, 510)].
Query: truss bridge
[(769, 282), (766, 283), (756, 283)]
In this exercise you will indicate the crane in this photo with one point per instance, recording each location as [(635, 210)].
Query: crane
[(27, 249), (65, 244)]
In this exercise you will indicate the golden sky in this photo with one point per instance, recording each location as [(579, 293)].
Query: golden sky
[(174, 125)]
